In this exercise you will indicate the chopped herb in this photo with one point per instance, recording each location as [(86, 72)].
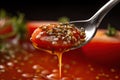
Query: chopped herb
[(63, 19), (111, 31), (19, 27)]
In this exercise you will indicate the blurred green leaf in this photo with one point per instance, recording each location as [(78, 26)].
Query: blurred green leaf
[(111, 30), (63, 19), (2, 13), (19, 25)]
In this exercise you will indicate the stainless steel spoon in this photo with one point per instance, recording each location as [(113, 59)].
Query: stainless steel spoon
[(91, 25)]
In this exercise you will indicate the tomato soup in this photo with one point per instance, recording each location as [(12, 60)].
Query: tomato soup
[(24, 62)]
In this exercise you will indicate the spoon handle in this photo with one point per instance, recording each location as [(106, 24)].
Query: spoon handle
[(99, 15)]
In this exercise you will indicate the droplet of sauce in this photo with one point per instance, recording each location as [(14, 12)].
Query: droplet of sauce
[(57, 39)]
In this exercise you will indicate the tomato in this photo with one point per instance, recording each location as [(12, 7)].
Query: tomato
[(103, 48), (5, 27)]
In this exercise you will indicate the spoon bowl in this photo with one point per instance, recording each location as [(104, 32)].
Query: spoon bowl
[(90, 30), (91, 25)]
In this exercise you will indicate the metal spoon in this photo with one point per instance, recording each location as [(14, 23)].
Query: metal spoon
[(91, 25)]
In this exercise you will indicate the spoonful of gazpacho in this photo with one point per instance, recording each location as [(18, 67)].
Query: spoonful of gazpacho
[(59, 38), (72, 35)]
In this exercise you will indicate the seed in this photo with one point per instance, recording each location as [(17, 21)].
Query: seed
[(55, 39), (69, 37), (11, 52), (45, 72), (63, 38), (50, 31), (27, 75), (91, 69), (38, 36), (55, 71), (3, 70), (82, 29), (52, 76), (65, 71), (68, 41), (68, 32), (73, 38), (97, 77), (82, 33), (78, 42), (64, 42), (19, 70), (74, 31), (2, 67), (41, 33), (65, 78), (78, 79), (44, 27), (107, 75), (10, 64), (37, 67), (103, 74), (116, 77), (54, 42), (37, 78), (26, 58), (112, 70), (82, 40), (67, 66), (7, 57), (15, 61)]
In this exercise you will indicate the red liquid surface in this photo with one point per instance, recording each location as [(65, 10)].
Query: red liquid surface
[(27, 63)]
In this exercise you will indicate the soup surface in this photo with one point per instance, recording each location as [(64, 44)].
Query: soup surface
[(24, 62), (21, 61)]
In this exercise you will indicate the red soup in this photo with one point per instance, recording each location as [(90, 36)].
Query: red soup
[(21, 61)]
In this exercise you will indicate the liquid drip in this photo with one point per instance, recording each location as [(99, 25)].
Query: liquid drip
[(59, 55)]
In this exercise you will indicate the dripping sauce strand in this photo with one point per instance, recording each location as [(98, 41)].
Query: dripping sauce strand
[(59, 56)]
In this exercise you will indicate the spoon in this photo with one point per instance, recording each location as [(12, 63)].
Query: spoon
[(91, 25)]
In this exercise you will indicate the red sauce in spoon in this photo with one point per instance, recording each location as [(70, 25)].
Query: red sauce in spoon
[(57, 39)]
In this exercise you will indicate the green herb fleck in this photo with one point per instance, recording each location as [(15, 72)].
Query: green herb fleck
[(19, 26), (111, 31), (63, 19)]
